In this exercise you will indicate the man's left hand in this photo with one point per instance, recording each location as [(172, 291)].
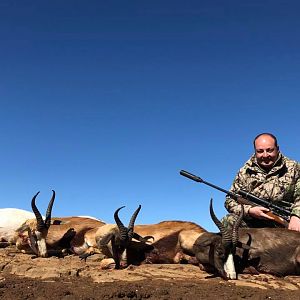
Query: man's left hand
[(294, 223)]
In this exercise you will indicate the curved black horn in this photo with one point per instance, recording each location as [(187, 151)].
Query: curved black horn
[(122, 228), (49, 210), (226, 236), (235, 229), (132, 221), (39, 218)]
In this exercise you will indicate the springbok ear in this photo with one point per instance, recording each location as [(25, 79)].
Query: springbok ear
[(106, 239), (23, 228), (147, 238), (143, 239), (243, 246)]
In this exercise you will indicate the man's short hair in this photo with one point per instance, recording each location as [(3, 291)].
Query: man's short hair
[(266, 133)]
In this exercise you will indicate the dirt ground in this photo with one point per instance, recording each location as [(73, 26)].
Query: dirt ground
[(24, 277)]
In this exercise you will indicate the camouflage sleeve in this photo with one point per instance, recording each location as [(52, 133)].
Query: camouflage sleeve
[(296, 205), (231, 204)]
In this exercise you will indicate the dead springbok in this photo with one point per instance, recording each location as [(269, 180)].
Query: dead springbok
[(274, 251), (172, 241), (56, 236)]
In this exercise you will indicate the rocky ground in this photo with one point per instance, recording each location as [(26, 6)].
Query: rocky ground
[(23, 277)]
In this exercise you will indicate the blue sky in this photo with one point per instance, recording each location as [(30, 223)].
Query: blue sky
[(106, 101)]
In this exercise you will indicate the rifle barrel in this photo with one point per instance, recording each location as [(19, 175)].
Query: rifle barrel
[(198, 179), (191, 176), (244, 194)]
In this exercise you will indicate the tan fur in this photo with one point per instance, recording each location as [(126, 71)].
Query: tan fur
[(187, 231), (187, 238), (101, 233), (173, 240), (82, 227)]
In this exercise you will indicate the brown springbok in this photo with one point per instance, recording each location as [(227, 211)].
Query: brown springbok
[(165, 242)]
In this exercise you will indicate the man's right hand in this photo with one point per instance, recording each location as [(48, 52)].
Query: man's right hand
[(259, 212)]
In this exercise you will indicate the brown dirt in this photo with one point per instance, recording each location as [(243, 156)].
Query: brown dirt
[(23, 277)]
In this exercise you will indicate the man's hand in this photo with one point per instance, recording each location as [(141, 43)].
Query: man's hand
[(259, 212), (294, 223)]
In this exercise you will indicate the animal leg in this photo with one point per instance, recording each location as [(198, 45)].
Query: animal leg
[(58, 253), (4, 244), (251, 270), (181, 258), (107, 264), (89, 252)]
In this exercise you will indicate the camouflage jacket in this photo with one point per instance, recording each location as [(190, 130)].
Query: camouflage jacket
[(281, 184)]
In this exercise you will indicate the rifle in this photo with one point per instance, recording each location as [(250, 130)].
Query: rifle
[(279, 214)]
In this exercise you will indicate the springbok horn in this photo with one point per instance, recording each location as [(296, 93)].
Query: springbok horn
[(39, 218), (226, 236), (132, 221), (49, 210), (122, 228), (235, 229)]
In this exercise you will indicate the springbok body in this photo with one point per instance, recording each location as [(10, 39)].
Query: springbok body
[(10, 220), (255, 250), (172, 242), (272, 250)]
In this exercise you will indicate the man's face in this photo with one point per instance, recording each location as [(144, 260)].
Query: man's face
[(266, 151)]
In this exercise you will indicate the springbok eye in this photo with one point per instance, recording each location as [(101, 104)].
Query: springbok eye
[(220, 253)]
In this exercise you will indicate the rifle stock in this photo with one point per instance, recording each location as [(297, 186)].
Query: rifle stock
[(278, 214), (275, 218)]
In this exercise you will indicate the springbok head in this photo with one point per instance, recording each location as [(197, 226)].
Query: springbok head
[(121, 237), (227, 247), (38, 231), (217, 250)]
